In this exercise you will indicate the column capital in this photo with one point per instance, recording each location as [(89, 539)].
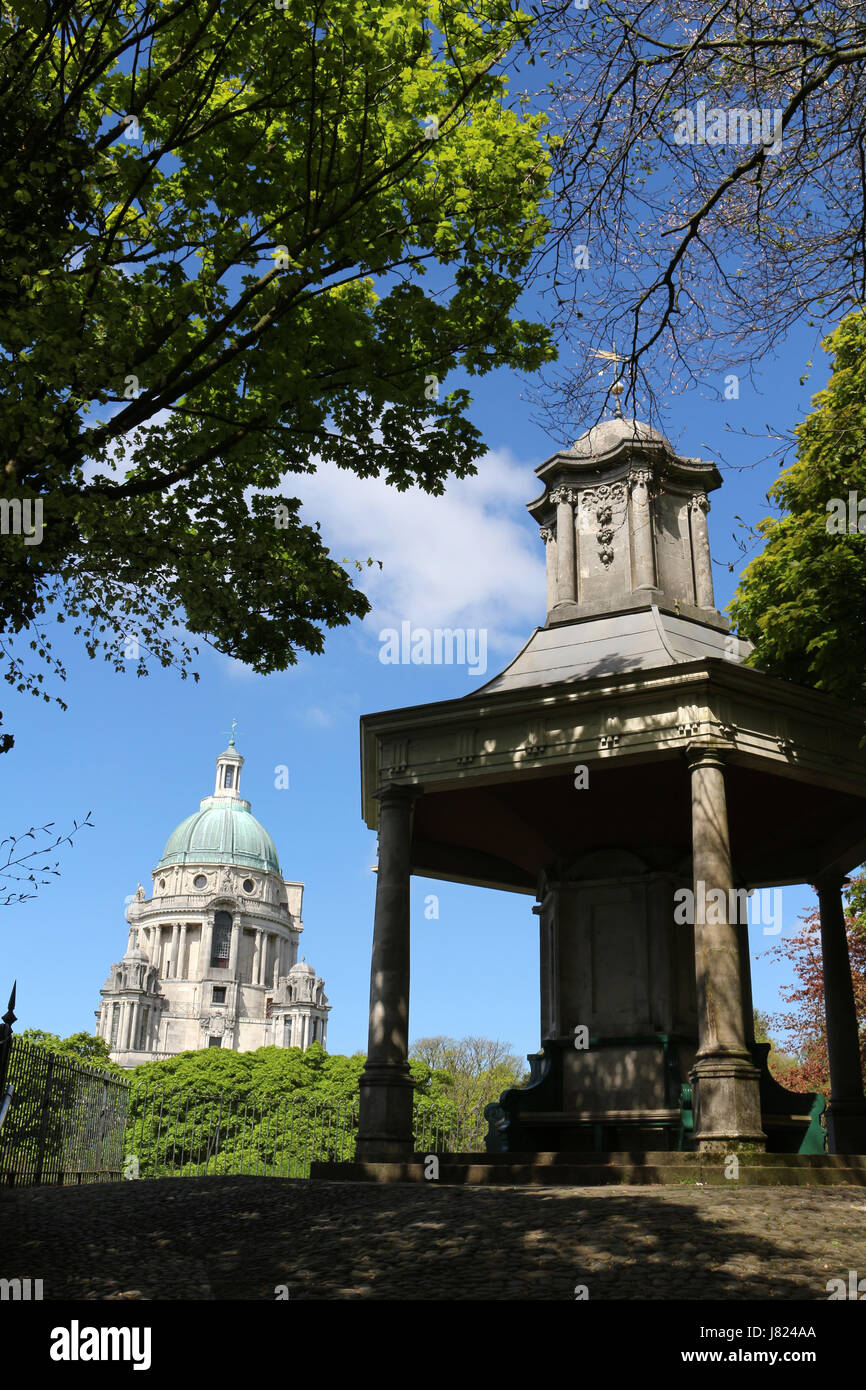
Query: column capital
[(826, 880), (707, 754), (699, 502), (640, 477), (398, 793), (547, 534), (562, 494)]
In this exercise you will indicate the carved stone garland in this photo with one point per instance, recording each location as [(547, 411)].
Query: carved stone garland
[(605, 499)]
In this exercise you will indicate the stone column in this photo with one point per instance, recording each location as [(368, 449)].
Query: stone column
[(549, 538), (257, 950), (175, 935), (727, 1099), (566, 576), (701, 559), (846, 1116), (205, 947), (385, 1117), (233, 949), (181, 954), (641, 524)]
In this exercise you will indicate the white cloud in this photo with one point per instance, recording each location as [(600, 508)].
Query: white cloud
[(464, 559)]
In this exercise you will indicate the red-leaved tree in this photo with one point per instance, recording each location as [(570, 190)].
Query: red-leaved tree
[(804, 1022)]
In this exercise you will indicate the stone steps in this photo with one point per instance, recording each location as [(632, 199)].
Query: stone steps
[(599, 1169)]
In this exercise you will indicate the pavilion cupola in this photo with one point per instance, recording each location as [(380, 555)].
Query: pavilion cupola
[(228, 774), (624, 520)]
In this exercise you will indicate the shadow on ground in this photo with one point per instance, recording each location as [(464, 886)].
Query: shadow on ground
[(242, 1237)]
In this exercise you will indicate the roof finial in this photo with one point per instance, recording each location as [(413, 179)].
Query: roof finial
[(617, 388), (232, 739)]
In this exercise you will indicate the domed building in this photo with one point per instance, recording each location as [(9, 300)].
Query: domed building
[(212, 956)]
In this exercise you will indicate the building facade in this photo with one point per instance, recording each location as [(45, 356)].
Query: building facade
[(212, 955)]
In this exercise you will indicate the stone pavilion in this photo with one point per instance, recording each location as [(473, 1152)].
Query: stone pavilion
[(625, 755)]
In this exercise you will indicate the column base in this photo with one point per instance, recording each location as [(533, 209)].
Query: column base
[(846, 1127), (727, 1104), (387, 1093), (564, 611)]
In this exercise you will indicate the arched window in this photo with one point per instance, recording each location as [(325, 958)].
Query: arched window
[(228, 779), (222, 939)]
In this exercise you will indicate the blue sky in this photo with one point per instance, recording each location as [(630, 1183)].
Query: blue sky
[(139, 753)]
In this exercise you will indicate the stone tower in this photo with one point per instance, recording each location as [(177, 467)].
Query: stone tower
[(212, 956)]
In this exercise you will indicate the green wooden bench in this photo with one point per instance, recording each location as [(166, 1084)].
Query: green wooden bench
[(522, 1113)]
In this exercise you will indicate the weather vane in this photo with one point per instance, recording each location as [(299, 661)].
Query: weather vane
[(617, 388), (232, 739)]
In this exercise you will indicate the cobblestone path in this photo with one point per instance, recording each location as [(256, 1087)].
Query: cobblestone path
[(229, 1238)]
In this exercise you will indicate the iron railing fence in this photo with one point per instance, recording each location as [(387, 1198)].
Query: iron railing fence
[(66, 1122), (440, 1131), (73, 1123), (184, 1133)]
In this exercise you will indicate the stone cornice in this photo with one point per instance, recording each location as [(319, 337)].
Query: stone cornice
[(500, 737), (676, 473), (195, 908)]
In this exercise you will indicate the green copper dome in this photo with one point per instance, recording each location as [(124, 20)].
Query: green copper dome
[(222, 832)]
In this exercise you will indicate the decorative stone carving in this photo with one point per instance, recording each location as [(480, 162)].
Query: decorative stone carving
[(608, 501)]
